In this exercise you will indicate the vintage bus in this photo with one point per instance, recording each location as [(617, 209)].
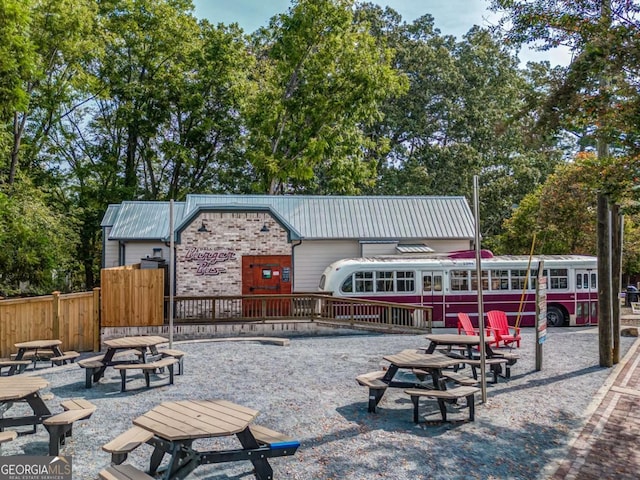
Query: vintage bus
[(448, 283)]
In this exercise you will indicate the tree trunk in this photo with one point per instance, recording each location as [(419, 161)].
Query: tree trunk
[(616, 256), (604, 275), (604, 220), (130, 177), (18, 130)]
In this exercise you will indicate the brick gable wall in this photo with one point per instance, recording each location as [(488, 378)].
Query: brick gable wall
[(210, 263)]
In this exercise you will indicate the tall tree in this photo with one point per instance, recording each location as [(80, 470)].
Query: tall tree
[(147, 48), (468, 110), (60, 32), (36, 244), (562, 212), (599, 82), (17, 53), (319, 80)]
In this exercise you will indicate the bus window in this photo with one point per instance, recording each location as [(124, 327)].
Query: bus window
[(485, 280), (347, 285), (384, 281), (558, 279), (459, 280), (500, 279), (593, 281), (518, 278), (431, 282), (405, 281), (427, 282), (364, 281), (579, 281)]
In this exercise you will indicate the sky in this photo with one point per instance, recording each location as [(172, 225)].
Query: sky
[(452, 17)]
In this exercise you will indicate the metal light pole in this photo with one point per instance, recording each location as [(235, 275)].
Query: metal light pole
[(171, 272), (483, 367)]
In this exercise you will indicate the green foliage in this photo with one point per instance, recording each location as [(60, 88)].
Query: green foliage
[(36, 244), (562, 212), (320, 78), (17, 54), (600, 85), (469, 111), (170, 89), (117, 100)]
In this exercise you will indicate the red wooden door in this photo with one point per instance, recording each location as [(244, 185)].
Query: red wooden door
[(266, 275)]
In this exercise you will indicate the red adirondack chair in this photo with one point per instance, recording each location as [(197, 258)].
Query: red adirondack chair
[(501, 330), (464, 323)]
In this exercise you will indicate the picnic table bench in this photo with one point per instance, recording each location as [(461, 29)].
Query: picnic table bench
[(8, 435), (68, 356), (18, 366), (123, 472), (458, 378), (373, 380), (147, 369), (495, 365), (452, 394), (166, 352), (60, 426), (125, 443)]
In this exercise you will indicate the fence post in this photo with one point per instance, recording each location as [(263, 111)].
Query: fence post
[(55, 307), (96, 319)]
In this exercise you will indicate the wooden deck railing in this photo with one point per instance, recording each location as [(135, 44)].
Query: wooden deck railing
[(298, 306)]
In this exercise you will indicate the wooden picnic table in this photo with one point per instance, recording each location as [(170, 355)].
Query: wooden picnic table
[(175, 426), (146, 345), (425, 363), (52, 346), (452, 340), (434, 363), (27, 389), (494, 358)]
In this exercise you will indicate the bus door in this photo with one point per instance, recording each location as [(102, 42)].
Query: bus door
[(586, 297), (433, 295)]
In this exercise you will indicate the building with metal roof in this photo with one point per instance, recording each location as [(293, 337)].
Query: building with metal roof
[(215, 235)]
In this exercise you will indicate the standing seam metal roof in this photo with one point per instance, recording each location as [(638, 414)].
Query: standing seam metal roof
[(313, 217)]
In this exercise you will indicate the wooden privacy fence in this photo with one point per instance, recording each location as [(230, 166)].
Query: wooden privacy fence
[(72, 318), (132, 297)]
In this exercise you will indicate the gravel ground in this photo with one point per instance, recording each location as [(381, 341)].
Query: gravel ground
[(308, 390)]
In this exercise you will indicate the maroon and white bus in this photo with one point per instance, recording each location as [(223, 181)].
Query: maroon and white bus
[(448, 283)]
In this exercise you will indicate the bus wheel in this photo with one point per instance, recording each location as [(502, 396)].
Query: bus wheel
[(555, 317)]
